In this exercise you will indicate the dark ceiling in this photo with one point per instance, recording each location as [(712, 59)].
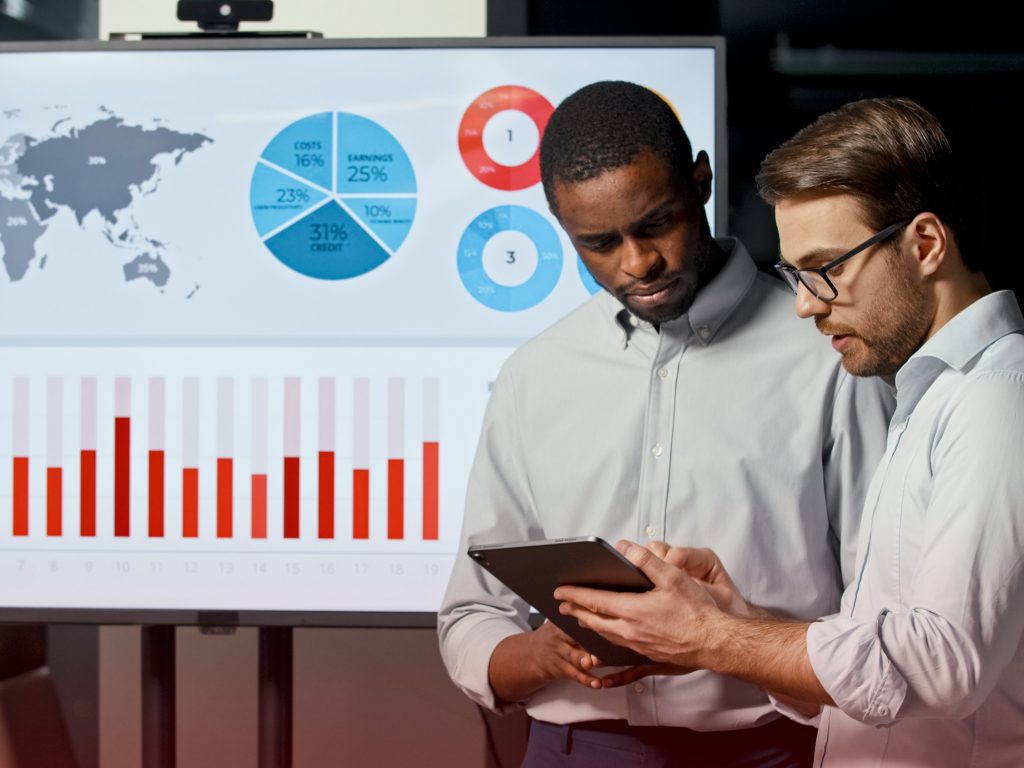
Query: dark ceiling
[(790, 60)]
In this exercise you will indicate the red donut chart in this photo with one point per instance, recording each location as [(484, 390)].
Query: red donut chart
[(471, 136)]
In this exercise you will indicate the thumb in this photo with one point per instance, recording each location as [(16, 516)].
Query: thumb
[(698, 563), (656, 569)]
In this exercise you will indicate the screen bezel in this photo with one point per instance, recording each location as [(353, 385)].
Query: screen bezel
[(269, 41)]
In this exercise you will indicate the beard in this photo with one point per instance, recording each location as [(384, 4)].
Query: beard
[(900, 316), (685, 283)]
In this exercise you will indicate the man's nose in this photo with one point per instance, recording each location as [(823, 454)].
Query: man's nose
[(809, 305), (640, 257)]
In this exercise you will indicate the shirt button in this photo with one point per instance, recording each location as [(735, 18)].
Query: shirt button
[(663, 373), (651, 531), (639, 688), (656, 450), (704, 331), (883, 711), (634, 320)]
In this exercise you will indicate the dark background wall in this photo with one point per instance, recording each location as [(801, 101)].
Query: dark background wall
[(790, 60)]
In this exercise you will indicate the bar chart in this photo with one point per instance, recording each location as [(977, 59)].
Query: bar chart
[(203, 458)]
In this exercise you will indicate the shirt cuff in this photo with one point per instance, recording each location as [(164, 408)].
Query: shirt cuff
[(849, 659), (794, 715), (470, 671)]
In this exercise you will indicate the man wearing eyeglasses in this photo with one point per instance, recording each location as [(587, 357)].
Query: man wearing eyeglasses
[(924, 666), (683, 402)]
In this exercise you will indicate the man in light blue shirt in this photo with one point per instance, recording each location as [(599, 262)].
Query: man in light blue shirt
[(666, 407), (924, 665)]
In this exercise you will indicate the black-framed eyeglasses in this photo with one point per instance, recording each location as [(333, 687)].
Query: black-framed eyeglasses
[(815, 279)]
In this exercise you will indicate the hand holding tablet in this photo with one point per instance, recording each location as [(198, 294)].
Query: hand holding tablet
[(534, 569)]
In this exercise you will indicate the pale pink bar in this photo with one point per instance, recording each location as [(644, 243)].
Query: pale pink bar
[(190, 426), (88, 409), (157, 411), (259, 426), (327, 412), (122, 397), (292, 416), (396, 418), (20, 416), (431, 410), (55, 421), (225, 417), (361, 423)]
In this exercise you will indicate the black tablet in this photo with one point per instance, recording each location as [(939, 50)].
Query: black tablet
[(534, 569)]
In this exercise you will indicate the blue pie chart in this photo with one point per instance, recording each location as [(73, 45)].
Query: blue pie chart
[(333, 196), (509, 258)]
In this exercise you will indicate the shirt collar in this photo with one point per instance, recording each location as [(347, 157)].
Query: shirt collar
[(969, 333), (712, 307)]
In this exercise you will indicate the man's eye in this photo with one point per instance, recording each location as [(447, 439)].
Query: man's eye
[(657, 224), (599, 246), (837, 270)]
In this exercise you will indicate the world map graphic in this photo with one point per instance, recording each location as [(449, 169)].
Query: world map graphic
[(95, 172)]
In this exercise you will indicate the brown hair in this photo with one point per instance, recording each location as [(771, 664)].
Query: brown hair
[(892, 155)]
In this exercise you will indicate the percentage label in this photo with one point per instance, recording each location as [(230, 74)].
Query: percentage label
[(292, 195), (374, 211), (17, 221), (309, 160), (320, 233), (363, 173)]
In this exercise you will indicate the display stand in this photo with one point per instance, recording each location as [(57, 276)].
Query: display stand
[(275, 697), (275, 682), (158, 697)]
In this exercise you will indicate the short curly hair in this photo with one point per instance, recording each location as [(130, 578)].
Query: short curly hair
[(604, 126)]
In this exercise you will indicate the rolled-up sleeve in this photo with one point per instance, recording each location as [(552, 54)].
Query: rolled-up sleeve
[(478, 612), (941, 648)]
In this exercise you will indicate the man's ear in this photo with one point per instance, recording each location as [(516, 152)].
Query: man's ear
[(702, 176), (929, 241)]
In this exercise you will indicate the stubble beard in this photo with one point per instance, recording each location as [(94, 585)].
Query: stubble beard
[(689, 283), (900, 319)]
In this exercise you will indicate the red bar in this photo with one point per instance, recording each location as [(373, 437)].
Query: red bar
[(122, 475), (88, 497), (224, 481), (291, 497), (326, 494), (156, 494), (190, 502), (360, 503), (396, 498), (431, 454), (20, 496), (53, 514), (259, 506)]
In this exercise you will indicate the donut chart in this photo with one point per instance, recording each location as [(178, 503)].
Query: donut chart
[(510, 258), (333, 196), (499, 136)]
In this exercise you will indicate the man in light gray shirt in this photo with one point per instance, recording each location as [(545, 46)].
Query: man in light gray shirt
[(683, 403), (924, 666)]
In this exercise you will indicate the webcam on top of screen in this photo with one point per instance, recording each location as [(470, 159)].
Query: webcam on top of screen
[(219, 19), (224, 15)]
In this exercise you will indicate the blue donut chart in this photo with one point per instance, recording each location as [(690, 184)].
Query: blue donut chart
[(481, 286)]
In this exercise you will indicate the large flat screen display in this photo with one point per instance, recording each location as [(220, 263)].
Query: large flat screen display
[(252, 299)]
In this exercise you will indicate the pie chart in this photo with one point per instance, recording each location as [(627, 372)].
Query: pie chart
[(333, 196)]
